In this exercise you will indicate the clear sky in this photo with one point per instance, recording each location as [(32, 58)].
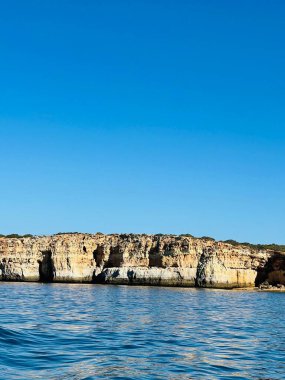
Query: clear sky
[(149, 116)]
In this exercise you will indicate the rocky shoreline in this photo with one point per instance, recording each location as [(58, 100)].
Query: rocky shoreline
[(165, 260), (266, 287)]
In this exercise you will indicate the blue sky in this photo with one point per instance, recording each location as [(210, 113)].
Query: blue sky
[(143, 116)]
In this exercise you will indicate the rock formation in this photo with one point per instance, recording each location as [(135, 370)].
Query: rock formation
[(138, 259)]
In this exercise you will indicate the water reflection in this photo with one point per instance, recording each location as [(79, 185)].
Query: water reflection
[(57, 331)]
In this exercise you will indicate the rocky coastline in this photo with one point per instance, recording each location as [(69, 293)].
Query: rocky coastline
[(131, 259)]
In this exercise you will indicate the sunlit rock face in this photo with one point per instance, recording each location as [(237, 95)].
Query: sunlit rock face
[(166, 260)]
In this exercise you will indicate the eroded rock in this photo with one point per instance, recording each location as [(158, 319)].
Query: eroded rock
[(138, 259)]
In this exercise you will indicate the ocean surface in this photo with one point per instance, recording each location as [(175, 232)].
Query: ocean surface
[(62, 331)]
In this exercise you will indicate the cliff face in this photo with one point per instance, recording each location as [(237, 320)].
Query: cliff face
[(137, 259)]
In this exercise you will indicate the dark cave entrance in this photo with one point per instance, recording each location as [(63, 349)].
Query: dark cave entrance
[(273, 271), (46, 267)]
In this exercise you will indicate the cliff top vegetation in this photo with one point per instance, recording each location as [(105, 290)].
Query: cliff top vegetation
[(272, 247)]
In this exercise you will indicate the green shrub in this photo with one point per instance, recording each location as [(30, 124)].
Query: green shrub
[(207, 238), (232, 242), (271, 247), (67, 233), (16, 236)]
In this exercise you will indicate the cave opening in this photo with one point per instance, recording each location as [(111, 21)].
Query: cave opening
[(155, 256), (46, 267), (273, 272), (98, 255)]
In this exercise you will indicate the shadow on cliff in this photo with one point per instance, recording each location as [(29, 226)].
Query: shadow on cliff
[(46, 267)]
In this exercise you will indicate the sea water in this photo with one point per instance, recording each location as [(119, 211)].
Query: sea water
[(65, 331)]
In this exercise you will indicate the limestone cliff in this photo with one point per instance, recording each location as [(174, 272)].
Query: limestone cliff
[(137, 259)]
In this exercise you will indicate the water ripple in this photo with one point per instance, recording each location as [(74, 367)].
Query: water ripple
[(58, 332)]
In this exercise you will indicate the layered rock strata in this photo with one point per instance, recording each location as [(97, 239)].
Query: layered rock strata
[(138, 259)]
